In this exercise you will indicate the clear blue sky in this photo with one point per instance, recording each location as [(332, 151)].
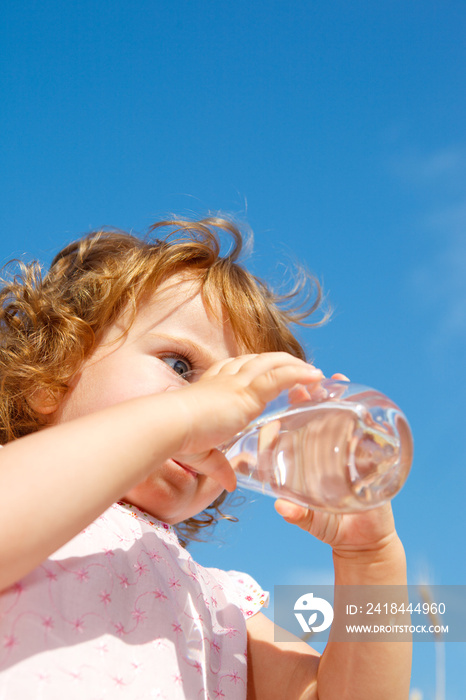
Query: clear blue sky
[(338, 131)]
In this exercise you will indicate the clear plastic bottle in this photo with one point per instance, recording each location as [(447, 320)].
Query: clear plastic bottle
[(343, 448)]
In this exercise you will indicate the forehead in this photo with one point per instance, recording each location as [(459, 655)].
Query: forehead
[(178, 307), (178, 297)]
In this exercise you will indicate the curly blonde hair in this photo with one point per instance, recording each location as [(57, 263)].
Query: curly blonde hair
[(50, 324)]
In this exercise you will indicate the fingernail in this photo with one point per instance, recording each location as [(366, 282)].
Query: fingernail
[(285, 508), (316, 371)]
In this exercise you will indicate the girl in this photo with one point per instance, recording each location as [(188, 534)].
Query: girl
[(122, 371)]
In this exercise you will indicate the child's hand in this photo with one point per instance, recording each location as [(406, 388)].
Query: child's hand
[(351, 535), (226, 399)]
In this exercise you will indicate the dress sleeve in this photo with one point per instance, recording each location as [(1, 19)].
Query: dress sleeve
[(251, 597)]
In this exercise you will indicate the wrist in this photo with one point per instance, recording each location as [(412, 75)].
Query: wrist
[(384, 563)]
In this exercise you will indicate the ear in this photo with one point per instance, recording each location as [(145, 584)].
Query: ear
[(43, 401)]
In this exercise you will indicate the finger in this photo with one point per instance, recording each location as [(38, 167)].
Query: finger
[(252, 365), (271, 373), (275, 382), (230, 365), (340, 377), (267, 361), (299, 393), (300, 516), (266, 375), (293, 513), (322, 525)]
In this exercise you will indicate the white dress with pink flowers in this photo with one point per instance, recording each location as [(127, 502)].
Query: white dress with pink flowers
[(123, 611)]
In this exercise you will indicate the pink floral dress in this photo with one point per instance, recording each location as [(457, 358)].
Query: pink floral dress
[(123, 611)]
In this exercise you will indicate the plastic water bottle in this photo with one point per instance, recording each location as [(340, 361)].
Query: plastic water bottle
[(341, 448)]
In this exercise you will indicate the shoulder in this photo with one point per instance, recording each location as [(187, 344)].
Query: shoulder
[(242, 589)]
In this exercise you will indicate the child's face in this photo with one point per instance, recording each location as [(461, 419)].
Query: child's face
[(171, 330)]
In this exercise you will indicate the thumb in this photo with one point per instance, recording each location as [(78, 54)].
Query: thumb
[(214, 464), (293, 513), (320, 524)]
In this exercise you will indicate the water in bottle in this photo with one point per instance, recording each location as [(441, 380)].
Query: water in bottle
[(341, 447)]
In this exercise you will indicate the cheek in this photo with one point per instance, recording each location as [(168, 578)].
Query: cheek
[(105, 384), (93, 391)]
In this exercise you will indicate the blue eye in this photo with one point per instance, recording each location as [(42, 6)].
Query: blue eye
[(178, 365)]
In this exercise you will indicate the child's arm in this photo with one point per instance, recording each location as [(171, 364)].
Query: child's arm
[(366, 551), (55, 482)]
